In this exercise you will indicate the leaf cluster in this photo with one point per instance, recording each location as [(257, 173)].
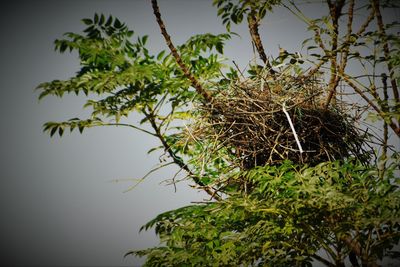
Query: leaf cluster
[(123, 77), (234, 11), (294, 212)]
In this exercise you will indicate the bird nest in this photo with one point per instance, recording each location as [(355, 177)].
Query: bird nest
[(265, 120)]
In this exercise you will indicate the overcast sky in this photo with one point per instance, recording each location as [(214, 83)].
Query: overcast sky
[(58, 206)]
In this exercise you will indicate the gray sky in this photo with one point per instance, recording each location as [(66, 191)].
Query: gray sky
[(57, 203)]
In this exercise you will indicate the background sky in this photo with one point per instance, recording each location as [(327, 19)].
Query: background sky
[(58, 205)]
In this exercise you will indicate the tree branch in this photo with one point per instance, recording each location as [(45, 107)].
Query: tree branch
[(176, 159), (255, 36), (126, 125), (195, 83), (366, 23), (385, 108), (355, 247), (392, 125), (347, 44), (335, 10), (386, 51), (346, 48)]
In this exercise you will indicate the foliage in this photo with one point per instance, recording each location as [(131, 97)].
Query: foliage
[(123, 78), (234, 11), (284, 214), (294, 212)]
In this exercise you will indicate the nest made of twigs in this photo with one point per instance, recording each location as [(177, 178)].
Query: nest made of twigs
[(249, 117)]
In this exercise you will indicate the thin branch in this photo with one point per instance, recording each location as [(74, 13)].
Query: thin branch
[(385, 108), (364, 26), (315, 69), (386, 51), (317, 38), (345, 54), (392, 125), (146, 175), (176, 159), (344, 46), (126, 125), (335, 10), (195, 83)]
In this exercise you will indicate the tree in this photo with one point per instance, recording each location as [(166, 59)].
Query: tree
[(292, 172)]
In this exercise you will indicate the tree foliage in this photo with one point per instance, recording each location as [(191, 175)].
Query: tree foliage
[(286, 214), (294, 212)]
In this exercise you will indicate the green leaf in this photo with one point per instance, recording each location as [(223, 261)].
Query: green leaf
[(60, 131), (144, 39), (154, 149), (220, 48), (117, 23), (109, 21), (87, 21), (102, 19), (81, 128), (160, 55), (53, 131)]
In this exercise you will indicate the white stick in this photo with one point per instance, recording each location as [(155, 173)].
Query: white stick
[(262, 85), (292, 127)]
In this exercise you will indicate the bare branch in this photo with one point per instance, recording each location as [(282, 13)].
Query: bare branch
[(195, 83), (366, 23), (126, 125), (392, 124), (385, 108), (253, 23), (386, 50), (335, 10), (345, 53)]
